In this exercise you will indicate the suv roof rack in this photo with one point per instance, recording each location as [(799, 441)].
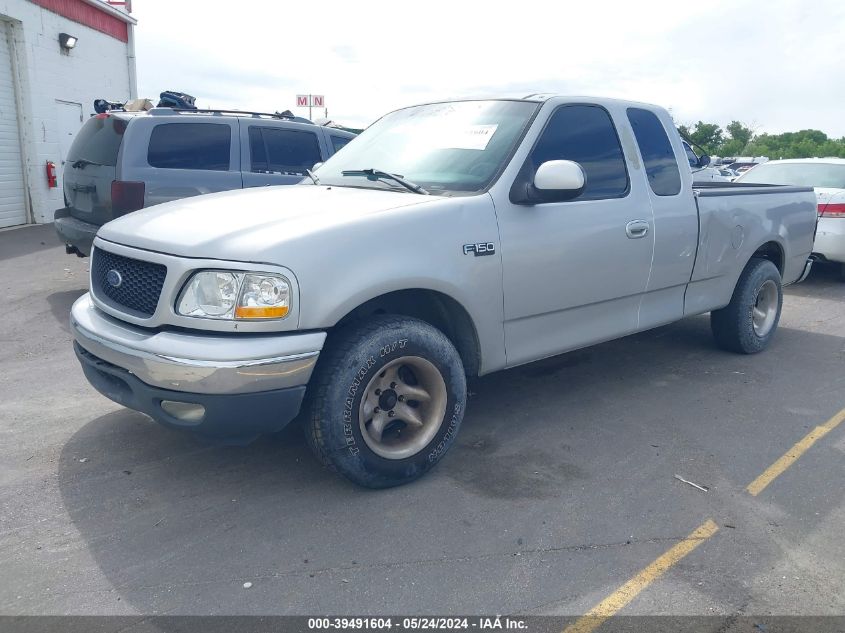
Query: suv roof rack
[(159, 111)]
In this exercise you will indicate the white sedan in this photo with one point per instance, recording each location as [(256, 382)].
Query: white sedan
[(827, 176)]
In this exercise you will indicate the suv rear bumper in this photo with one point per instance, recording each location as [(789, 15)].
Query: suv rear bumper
[(228, 387), (73, 231)]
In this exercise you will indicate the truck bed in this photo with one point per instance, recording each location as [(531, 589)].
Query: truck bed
[(710, 189), (737, 220)]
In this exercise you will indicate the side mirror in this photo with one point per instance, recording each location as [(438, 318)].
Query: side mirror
[(316, 166), (703, 160), (554, 181)]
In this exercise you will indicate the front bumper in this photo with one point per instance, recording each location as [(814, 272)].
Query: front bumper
[(227, 386)]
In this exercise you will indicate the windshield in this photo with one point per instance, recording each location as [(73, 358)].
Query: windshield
[(803, 174), (446, 148)]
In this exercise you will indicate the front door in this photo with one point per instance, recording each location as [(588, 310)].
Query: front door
[(574, 272)]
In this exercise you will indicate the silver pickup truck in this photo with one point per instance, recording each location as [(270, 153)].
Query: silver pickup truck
[(449, 239)]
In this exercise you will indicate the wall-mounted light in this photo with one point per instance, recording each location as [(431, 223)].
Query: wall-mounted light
[(66, 41)]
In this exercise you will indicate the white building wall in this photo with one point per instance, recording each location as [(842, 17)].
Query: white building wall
[(97, 67)]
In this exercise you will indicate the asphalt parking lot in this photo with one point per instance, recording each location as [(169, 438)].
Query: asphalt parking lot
[(560, 489)]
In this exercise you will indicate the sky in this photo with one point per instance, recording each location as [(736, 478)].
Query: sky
[(776, 65)]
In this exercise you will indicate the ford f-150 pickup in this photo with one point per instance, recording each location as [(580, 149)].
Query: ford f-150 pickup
[(448, 240)]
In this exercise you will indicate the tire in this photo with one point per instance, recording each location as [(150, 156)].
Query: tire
[(376, 369), (739, 326)]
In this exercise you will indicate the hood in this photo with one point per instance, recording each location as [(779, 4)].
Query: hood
[(237, 225)]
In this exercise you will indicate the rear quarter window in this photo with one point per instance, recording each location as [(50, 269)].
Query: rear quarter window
[(283, 151), (338, 142), (204, 146), (661, 167)]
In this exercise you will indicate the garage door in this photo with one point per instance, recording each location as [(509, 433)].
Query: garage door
[(12, 210)]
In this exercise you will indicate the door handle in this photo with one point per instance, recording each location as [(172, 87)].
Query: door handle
[(636, 229)]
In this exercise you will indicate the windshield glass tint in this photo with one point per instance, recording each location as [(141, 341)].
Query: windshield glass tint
[(447, 148), (98, 141), (803, 174)]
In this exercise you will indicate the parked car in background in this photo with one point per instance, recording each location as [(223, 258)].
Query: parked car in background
[(827, 177), (120, 161), (450, 239), (702, 171)]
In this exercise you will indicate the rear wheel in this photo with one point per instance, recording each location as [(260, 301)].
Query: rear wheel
[(389, 397), (746, 325)]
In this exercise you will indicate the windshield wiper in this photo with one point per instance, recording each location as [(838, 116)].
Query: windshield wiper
[(82, 163), (313, 178), (378, 173)]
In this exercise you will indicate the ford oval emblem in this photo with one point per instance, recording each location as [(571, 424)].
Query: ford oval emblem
[(114, 278)]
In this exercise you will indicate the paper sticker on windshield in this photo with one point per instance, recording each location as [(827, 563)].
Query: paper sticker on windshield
[(467, 137)]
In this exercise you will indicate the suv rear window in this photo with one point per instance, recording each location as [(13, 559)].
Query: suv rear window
[(286, 151), (190, 146), (98, 141)]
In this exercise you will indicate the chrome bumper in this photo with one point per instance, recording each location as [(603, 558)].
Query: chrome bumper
[(199, 363), (806, 272)]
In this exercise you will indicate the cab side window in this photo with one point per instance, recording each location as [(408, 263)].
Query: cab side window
[(660, 164), (585, 134)]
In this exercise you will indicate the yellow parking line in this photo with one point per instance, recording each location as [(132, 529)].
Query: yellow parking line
[(791, 456), (594, 618)]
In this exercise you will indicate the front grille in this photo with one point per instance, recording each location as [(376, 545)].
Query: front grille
[(138, 284)]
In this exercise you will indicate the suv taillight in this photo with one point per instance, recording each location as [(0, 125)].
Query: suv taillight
[(832, 210), (126, 196)]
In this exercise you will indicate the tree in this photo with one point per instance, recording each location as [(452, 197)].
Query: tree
[(708, 136), (739, 133), (739, 139)]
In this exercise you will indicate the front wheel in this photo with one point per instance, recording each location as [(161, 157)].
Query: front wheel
[(746, 325), (388, 399)]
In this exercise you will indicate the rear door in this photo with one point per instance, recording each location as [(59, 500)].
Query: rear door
[(177, 159), (279, 155)]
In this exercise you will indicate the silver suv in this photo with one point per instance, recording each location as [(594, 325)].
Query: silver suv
[(124, 161)]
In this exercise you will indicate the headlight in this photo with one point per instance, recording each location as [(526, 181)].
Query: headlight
[(220, 294)]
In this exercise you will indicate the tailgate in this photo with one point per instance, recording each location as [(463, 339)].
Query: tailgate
[(90, 168)]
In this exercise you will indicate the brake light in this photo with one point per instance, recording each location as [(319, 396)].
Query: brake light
[(832, 210), (126, 196)]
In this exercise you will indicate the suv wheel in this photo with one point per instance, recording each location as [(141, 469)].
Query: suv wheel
[(388, 399)]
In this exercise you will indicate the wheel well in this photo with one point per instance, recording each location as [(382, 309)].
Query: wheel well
[(773, 252), (433, 307)]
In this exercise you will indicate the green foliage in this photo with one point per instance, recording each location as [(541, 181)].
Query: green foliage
[(708, 136), (741, 141), (739, 133)]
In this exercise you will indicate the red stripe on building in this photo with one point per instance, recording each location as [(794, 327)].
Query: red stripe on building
[(90, 16)]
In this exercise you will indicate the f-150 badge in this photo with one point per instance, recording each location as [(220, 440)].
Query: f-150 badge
[(480, 249)]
